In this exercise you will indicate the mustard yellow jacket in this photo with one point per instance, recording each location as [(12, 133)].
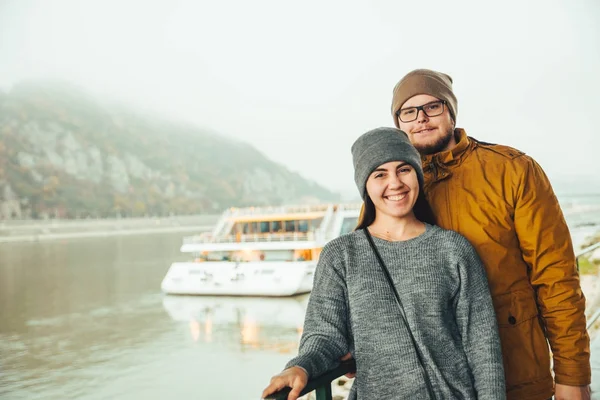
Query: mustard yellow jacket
[(502, 202)]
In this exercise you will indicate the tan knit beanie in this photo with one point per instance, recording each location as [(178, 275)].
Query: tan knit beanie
[(424, 81)]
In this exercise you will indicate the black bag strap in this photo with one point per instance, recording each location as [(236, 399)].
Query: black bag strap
[(386, 272)]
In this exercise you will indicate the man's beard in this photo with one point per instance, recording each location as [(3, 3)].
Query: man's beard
[(436, 147)]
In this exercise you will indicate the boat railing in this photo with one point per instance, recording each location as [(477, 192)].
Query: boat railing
[(248, 211), (588, 249), (320, 384), (592, 320), (256, 237), (351, 206)]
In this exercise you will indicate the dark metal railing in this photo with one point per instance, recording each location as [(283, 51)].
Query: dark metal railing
[(589, 249), (320, 384)]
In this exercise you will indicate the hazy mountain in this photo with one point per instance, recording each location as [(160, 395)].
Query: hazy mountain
[(63, 152)]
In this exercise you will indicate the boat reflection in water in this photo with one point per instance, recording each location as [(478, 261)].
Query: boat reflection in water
[(252, 323)]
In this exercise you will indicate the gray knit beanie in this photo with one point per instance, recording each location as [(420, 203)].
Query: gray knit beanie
[(381, 146)]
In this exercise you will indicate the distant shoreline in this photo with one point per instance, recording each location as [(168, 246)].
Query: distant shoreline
[(96, 234), (179, 219), (15, 231)]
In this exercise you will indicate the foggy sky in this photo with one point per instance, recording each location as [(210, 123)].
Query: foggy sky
[(302, 80)]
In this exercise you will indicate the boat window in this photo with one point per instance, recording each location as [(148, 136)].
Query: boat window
[(290, 226), (276, 226), (303, 226), (264, 227)]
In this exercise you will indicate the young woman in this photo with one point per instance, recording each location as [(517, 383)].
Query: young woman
[(407, 299)]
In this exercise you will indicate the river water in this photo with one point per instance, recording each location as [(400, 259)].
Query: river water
[(85, 319)]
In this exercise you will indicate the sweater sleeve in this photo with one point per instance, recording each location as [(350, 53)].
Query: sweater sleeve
[(477, 324), (325, 337)]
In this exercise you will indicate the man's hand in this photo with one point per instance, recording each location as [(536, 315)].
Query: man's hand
[(349, 374), (565, 392), (293, 377)]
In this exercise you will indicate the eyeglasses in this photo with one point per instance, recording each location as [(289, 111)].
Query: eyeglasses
[(432, 109)]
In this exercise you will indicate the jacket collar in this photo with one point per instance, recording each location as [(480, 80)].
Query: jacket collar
[(453, 156)]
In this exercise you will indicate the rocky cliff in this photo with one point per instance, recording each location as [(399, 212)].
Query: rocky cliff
[(66, 154)]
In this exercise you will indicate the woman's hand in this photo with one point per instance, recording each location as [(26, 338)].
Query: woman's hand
[(293, 377), (347, 357)]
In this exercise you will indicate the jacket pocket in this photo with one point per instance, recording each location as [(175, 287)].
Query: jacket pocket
[(524, 347)]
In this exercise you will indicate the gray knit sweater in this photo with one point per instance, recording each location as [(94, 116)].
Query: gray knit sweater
[(443, 288)]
